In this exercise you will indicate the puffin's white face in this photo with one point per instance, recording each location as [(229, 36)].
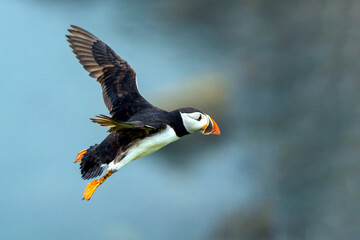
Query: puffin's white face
[(199, 122)]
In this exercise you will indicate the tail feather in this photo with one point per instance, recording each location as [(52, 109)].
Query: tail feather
[(96, 158), (90, 166)]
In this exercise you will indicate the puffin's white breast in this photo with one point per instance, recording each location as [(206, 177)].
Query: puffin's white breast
[(145, 146)]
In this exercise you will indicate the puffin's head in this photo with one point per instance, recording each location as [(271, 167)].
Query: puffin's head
[(196, 121)]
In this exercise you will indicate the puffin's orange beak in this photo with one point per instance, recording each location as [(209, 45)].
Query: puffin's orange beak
[(211, 127)]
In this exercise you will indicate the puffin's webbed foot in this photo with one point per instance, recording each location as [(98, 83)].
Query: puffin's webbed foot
[(93, 185)]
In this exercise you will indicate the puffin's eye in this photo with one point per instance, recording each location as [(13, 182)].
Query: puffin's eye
[(199, 118)]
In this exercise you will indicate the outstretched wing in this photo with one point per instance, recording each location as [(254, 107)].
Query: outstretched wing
[(117, 78)]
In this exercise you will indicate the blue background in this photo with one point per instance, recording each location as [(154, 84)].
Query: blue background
[(280, 79)]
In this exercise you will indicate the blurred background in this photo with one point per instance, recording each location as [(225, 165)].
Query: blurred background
[(281, 78)]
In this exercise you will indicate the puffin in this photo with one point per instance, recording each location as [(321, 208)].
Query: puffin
[(136, 127)]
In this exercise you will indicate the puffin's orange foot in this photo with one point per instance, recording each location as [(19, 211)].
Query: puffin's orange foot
[(80, 156), (92, 186), (90, 189)]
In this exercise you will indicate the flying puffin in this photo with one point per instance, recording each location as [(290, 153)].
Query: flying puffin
[(137, 128)]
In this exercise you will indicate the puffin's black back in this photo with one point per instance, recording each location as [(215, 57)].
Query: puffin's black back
[(159, 118)]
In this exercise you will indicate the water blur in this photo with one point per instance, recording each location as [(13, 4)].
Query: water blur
[(281, 79)]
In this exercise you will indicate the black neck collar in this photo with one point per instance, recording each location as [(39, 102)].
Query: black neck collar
[(177, 124)]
